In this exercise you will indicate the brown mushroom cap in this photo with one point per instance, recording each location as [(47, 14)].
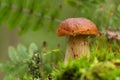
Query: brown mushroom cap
[(77, 26)]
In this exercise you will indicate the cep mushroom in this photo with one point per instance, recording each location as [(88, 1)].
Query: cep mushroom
[(77, 30)]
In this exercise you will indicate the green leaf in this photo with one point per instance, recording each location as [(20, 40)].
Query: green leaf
[(71, 3), (14, 19), (32, 49), (22, 52), (5, 66), (24, 23), (13, 55), (38, 23), (5, 12), (55, 13)]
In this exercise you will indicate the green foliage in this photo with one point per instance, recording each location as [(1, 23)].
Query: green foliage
[(13, 55), (33, 63), (17, 67), (104, 61), (101, 71), (83, 69), (33, 15), (29, 63), (103, 12), (21, 54), (27, 14), (70, 71)]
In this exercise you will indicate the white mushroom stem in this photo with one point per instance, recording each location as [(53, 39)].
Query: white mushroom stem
[(77, 46)]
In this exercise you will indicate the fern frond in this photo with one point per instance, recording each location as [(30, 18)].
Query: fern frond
[(33, 14), (26, 14)]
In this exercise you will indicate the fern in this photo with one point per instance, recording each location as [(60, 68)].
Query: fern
[(29, 62), (34, 14), (26, 14)]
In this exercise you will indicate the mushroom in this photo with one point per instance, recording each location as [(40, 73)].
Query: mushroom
[(113, 35), (77, 30)]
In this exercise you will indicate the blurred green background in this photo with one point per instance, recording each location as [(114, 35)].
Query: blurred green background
[(27, 21), (11, 38)]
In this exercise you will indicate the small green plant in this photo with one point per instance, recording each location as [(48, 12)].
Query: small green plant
[(29, 63), (84, 69)]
